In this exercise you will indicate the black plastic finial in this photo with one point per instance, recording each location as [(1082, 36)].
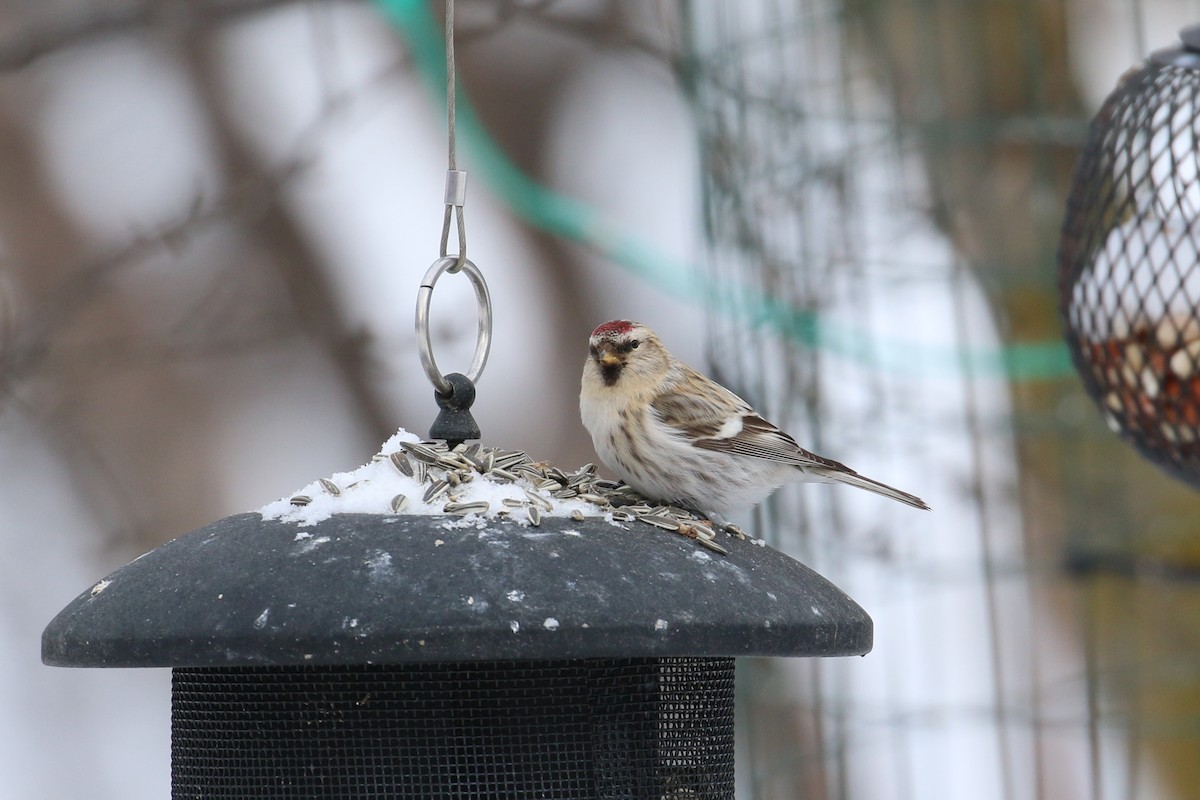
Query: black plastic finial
[(454, 422)]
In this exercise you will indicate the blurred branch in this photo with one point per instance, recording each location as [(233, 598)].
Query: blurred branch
[(602, 29), (63, 328), (310, 288), (92, 24), (23, 48), (251, 204), (29, 340)]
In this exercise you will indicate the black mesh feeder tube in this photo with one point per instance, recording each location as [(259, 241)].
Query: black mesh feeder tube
[(1129, 260), (389, 656)]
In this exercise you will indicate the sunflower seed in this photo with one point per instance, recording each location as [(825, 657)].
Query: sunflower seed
[(594, 499), (529, 471), (400, 462), (436, 489), (475, 507), (330, 487), (510, 458), (548, 484), (659, 521), (565, 493), (399, 503), (577, 515), (503, 474), (420, 471), (421, 452), (534, 514), (711, 545), (473, 450), (557, 474), (454, 462), (540, 500), (300, 500), (513, 502)]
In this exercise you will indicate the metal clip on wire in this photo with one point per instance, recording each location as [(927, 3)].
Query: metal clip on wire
[(456, 197)]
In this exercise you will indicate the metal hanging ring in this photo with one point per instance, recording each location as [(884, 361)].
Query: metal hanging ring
[(483, 300)]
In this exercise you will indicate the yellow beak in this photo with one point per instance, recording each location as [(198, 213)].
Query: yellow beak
[(608, 358)]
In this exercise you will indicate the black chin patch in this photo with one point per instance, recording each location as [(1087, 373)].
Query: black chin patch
[(610, 374)]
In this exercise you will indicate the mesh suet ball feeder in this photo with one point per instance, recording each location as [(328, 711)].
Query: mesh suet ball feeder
[(393, 655), (1129, 260)]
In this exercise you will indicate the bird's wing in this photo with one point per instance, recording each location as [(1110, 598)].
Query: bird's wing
[(725, 423)]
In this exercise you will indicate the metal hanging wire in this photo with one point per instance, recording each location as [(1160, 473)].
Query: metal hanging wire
[(455, 199), (454, 393), (456, 179)]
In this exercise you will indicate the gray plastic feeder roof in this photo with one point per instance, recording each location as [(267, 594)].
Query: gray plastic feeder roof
[(361, 588)]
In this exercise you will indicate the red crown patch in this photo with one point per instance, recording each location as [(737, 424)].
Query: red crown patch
[(614, 328)]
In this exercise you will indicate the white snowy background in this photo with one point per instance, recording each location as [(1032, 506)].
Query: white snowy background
[(120, 139)]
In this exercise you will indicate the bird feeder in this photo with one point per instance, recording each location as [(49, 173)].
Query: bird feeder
[(1129, 261), (389, 656), (428, 656)]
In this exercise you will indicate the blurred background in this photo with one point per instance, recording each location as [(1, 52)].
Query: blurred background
[(214, 215)]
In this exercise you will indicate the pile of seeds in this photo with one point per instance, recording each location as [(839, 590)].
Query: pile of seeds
[(445, 474), (1149, 383)]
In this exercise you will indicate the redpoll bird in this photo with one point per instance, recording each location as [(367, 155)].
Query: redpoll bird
[(677, 437)]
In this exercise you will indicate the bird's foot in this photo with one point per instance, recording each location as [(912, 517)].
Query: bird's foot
[(734, 531), (718, 522)]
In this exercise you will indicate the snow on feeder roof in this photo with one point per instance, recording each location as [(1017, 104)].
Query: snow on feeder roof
[(342, 579)]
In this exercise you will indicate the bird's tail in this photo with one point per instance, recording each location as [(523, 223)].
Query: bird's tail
[(854, 479)]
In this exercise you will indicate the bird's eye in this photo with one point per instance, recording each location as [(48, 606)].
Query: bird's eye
[(634, 344)]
